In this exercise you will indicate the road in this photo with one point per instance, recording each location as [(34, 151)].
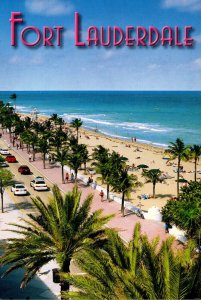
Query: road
[(24, 202)]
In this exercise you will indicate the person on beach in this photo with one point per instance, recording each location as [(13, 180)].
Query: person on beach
[(101, 195), (30, 157), (67, 177)]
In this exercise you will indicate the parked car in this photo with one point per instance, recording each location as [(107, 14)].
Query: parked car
[(24, 170), (4, 151), (11, 159), (19, 189), (39, 184), (3, 164)]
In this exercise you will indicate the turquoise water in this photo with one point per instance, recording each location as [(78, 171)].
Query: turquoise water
[(151, 117)]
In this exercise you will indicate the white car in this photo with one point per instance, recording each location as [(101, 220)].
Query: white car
[(19, 189), (4, 152), (39, 184)]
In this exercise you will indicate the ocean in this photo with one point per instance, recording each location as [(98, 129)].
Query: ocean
[(156, 118)]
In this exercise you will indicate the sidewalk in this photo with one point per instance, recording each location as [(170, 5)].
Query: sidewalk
[(41, 287), (124, 224)]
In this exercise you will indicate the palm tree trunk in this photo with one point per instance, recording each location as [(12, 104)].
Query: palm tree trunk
[(77, 134), (85, 167), (34, 154), (65, 286), (178, 173), (154, 190), (44, 160), (122, 203), (76, 175), (108, 191), (62, 173), (10, 134), (195, 169), (1, 191)]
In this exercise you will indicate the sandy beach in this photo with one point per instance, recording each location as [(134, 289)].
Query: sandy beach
[(138, 153)]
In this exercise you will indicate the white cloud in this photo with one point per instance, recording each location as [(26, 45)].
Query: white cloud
[(109, 54), (187, 5), (49, 7), (33, 60), (197, 63), (153, 66)]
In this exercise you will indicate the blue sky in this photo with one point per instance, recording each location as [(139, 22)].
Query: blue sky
[(71, 68)]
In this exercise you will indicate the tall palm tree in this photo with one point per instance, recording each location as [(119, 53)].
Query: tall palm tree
[(124, 183), (153, 176), (60, 229), (178, 150), (62, 157), (75, 160), (58, 139), (43, 147), (76, 123), (101, 154), (14, 98), (85, 154), (137, 270), (195, 153)]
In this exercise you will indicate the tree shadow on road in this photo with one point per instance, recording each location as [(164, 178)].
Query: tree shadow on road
[(21, 205)]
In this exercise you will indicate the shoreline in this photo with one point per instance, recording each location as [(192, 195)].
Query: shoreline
[(138, 144)]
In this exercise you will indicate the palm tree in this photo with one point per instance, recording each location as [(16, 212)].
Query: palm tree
[(75, 160), (60, 229), (103, 165), (76, 123), (124, 183), (195, 153), (14, 98), (58, 139), (85, 154), (101, 154), (27, 123), (152, 176), (178, 150), (43, 147), (62, 157), (137, 270)]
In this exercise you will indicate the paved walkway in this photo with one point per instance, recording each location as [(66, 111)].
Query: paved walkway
[(124, 224)]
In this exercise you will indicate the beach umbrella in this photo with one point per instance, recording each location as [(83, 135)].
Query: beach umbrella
[(142, 166), (182, 180)]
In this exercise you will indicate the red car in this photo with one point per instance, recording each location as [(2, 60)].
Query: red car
[(24, 170), (11, 159)]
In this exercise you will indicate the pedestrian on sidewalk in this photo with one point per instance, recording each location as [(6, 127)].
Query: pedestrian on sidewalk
[(17, 146), (95, 185), (30, 157), (166, 228), (101, 195), (72, 177), (67, 177)]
